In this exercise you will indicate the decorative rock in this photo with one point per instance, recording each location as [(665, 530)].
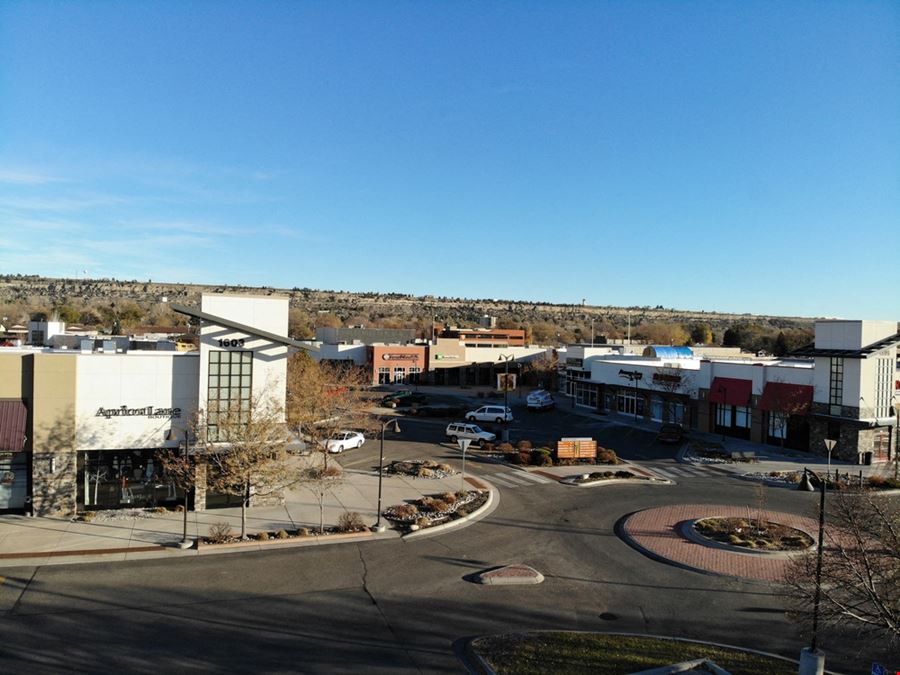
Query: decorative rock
[(510, 574)]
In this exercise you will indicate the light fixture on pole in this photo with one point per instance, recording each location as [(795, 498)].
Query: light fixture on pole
[(812, 660), (507, 358), (384, 425)]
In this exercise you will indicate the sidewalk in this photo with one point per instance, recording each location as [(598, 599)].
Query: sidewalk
[(130, 534), (768, 458)]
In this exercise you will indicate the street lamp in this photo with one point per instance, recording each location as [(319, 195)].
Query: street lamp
[(384, 425), (634, 376), (811, 659), (507, 358)]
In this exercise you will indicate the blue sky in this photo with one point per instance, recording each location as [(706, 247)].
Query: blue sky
[(718, 156)]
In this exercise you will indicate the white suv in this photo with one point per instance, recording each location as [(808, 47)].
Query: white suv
[(490, 413), (457, 430)]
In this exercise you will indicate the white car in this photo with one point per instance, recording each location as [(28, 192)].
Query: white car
[(539, 400), (490, 413), (457, 430), (343, 440)]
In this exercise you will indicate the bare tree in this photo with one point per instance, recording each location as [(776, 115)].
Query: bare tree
[(860, 581), (245, 449), (672, 382), (181, 469), (324, 398), (322, 480)]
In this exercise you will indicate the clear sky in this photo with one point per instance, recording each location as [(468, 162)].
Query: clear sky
[(725, 155)]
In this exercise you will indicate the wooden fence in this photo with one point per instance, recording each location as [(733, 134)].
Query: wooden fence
[(576, 448)]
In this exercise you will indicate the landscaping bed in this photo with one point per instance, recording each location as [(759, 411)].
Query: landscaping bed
[(762, 535), (420, 468), (525, 454), (350, 522), (841, 482), (435, 509), (607, 654), (604, 476)]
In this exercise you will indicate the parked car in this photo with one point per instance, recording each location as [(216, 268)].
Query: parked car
[(539, 400), (403, 398), (457, 430), (490, 413), (343, 440), (670, 433)]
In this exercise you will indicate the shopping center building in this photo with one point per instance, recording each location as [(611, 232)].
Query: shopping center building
[(844, 387), (80, 427)]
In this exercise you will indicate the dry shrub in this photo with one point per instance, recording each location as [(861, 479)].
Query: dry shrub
[(540, 457), (406, 510), (440, 506), (179, 508), (461, 494), (303, 532), (505, 448), (449, 497), (606, 456), (350, 521), (88, 516), (282, 534), (160, 509), (263, 536), (524, 445), (219, 532), (446, 468), (524, 456), (423, 521)]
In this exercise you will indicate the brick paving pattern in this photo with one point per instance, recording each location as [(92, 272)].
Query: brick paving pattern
[(656, 531)]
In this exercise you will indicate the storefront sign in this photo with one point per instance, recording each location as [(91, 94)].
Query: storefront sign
[(148, 411), (400, 357), (440, 357), (667, 379)]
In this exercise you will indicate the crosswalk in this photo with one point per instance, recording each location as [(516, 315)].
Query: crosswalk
[(674, 471), (516, 479)]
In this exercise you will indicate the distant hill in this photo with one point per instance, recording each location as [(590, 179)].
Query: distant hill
[(34, 293)]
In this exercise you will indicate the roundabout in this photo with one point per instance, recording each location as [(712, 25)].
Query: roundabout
[(667, 534)]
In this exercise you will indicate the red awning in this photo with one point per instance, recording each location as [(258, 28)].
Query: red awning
[(792, 399), (730, 391), (13, 415)]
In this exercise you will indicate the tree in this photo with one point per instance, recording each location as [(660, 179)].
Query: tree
[(181, 469), (321, 480), (662, 333), (860, 582), (672, 382), (244, 445), (323, 398), (701, 333)]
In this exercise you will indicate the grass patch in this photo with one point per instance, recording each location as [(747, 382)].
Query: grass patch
[(601, 654)]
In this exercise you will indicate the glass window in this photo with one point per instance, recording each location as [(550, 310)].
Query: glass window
[(836, 384), (234, 382), (777, 425), (741, 416)]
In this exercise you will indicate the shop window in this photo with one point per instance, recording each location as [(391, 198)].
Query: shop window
[(400, 375), (384, 375), (110, 479), (777, 427), (229, 388), (742, 417)]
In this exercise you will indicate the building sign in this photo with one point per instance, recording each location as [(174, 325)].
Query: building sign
[(149, 411), (440, 357), (400, 357), (506, 382), (574, 363), (663, 378)]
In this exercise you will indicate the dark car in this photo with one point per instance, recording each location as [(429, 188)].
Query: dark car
[(670, 433), (403, 399)]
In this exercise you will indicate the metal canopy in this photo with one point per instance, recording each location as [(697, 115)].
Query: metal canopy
[(234, 325)]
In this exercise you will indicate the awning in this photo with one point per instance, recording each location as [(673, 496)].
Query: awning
[(13, 415), (791, 399), (730, 391)]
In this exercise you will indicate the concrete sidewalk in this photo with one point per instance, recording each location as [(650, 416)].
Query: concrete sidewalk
[(129, 534)]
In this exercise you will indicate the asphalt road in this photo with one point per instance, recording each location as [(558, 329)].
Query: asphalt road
[(396, 606)]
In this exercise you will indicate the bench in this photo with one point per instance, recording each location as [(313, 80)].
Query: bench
[(743, 456)]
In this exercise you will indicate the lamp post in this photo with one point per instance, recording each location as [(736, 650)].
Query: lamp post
[(507, 358), (896, 435), (812, 660), (187, 484), (633, 376), (384, 425)]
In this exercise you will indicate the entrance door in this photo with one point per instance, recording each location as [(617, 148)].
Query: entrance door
[(13, 481)]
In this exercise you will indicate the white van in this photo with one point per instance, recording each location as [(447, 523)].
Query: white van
[(539, 400)]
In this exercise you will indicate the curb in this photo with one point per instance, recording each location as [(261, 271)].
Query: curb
[(619, 481), (291, 542), (491, 503), (485, 669)]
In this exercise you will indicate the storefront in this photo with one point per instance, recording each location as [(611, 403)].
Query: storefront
[(398, 364)]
